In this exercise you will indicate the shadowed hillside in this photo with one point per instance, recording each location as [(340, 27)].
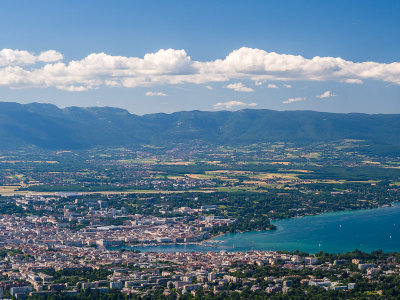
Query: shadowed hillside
[(49, 127)]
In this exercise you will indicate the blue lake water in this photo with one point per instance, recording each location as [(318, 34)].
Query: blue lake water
[(366, 230)]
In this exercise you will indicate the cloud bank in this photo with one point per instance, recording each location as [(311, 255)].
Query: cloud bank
[(326, 94), (23, 69), (291, 100), (239, 87), (156, 94), (232, 104)]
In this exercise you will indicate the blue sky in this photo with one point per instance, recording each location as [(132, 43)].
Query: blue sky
[(221, 54)]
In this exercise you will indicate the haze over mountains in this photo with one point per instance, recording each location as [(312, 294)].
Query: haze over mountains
[(49, 127)]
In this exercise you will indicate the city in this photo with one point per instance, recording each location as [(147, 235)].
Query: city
[(199, 150)]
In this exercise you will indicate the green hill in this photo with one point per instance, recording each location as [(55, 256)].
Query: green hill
[(49, 127)]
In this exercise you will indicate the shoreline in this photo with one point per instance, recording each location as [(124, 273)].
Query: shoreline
[(213, 242)]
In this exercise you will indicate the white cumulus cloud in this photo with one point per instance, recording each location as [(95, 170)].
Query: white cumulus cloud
[(50, 56), (353, 80), (239, 87), (24, 69), (10, 57), (156, 94), (326, 94), (232, 104), (288, 86), (272, 86), (291, 100)]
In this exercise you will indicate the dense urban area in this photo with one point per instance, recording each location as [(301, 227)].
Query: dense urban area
[(71, 221)]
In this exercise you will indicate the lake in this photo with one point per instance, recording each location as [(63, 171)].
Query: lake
[(366, 230)]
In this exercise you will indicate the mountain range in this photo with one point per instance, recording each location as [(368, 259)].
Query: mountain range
[(49, 127)]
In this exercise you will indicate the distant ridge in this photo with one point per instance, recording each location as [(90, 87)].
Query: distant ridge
[(49, 127)]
